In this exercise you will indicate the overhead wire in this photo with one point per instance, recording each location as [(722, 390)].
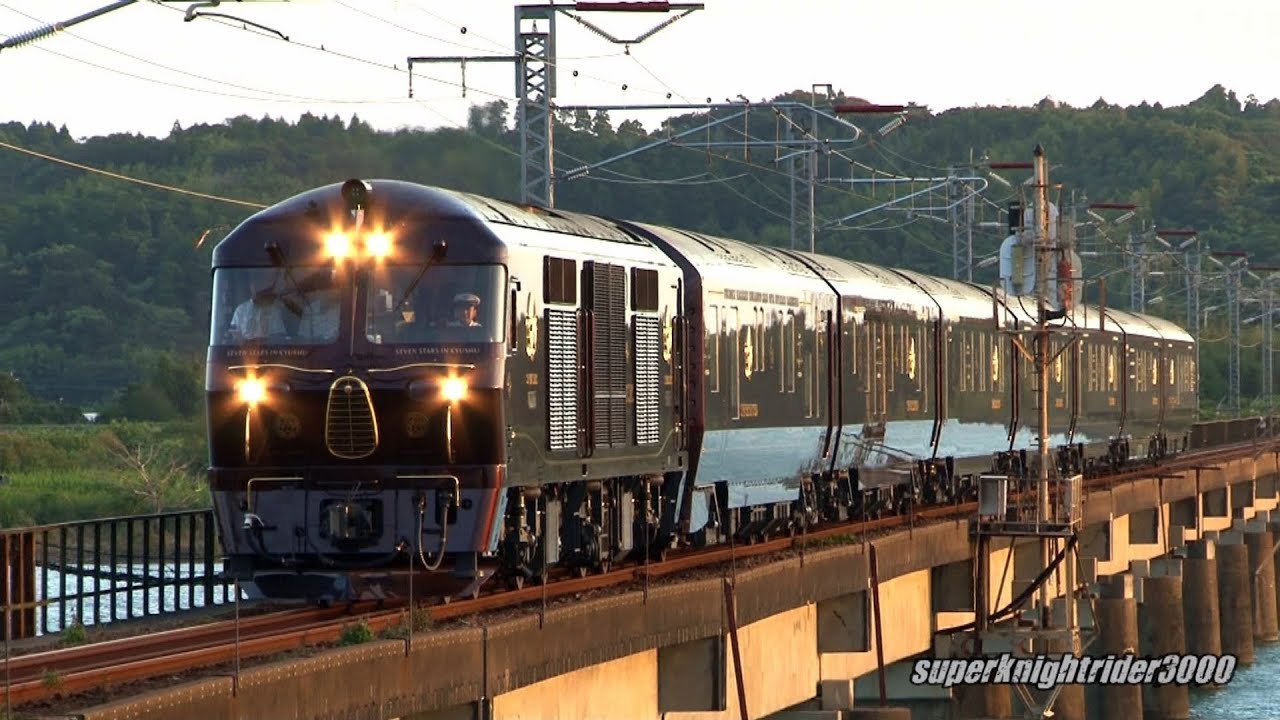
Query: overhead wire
[(280, 95), (373, 16), (322, 48), (623, 177), (127, 178), (501, 96)]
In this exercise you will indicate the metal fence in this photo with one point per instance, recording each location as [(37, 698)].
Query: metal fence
[(99, 571)]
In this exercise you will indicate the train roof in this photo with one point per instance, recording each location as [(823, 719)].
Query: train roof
[(539, 218), (721, 260), (396, 203), (871, 282), (1171, 331)]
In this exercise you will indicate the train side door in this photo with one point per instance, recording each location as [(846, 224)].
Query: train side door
[(679, 374)]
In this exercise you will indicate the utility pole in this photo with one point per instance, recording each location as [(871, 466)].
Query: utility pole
[(1268, 334), (1233, 272), (961, 237), (1191, 254), (1054, 517), (1043, 251)]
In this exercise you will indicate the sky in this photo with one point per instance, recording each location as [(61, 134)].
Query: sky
[(140, 68)]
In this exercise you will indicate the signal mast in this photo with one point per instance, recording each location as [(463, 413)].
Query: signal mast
[(1053, 523)]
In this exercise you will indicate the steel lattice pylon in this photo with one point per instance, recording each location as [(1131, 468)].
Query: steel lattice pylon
[(535, 86), (1233, 356)]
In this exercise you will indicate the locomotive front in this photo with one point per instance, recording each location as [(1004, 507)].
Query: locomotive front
[(354, 386)]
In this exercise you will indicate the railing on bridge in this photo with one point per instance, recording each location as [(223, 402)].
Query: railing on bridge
[(99, 571)]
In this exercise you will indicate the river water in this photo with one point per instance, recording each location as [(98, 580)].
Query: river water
[(128, 603), (1250, 695)]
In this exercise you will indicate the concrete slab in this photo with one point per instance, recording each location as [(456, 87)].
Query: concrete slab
[(598, 691)]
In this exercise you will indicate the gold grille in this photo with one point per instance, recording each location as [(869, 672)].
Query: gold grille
[(350, 428)]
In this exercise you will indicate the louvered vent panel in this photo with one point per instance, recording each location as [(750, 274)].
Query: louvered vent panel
[(609, 355), (648, 347), (351, 431), (562, 379)]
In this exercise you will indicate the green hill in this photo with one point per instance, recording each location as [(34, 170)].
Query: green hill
[(105, 294)]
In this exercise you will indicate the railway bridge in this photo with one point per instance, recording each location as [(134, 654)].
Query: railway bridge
[(1176, 559)]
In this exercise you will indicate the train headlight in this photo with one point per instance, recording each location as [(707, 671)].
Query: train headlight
[(454, 389), (378, 245), (251, 391), (337, 245)]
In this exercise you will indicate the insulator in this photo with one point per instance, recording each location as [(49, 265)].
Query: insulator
[(30, 36)]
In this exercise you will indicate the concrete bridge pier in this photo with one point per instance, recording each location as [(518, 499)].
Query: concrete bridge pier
[(1234, 603), (1273, 524), (1200, 598), (1262, 580), (1161, 632), (1117, 625), (984, 701)]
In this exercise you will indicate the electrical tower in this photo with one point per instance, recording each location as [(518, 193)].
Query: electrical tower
[(1233, 271), (961, 198), (1268, 334), (536, 64)]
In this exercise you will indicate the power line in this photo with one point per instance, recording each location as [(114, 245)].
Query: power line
[(178, 86), (419, 33), (118, 176), (185, 72)]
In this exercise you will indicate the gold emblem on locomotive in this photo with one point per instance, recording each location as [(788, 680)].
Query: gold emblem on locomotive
[(531, 328)]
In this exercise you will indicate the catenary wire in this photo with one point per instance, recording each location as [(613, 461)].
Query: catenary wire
[(118, 176)]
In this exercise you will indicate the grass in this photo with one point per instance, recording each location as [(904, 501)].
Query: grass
[(356, 633), (421, 623)]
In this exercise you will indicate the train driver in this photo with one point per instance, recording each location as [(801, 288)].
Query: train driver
[(466, 307), (320, 319), (259, 316)]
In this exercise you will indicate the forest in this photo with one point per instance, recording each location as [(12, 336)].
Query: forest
[(104, 286)]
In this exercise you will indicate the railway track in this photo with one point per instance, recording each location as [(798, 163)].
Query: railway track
[(69, 671)]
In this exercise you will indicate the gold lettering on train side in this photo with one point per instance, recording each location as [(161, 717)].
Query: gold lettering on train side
[(996, 403), (531, 379), (666, 379), (1059, 402), (911, 358), (1111, 401), (913, 406), (759, 297), (1155, 400), (666, 337), (531, 328), (748, 410)]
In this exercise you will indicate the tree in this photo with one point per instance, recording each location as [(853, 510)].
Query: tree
[(156, 470)]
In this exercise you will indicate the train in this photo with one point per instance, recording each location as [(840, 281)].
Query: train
[(406, 377)]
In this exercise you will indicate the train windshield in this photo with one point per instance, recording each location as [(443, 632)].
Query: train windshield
[(447, 303), (275, 306)]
